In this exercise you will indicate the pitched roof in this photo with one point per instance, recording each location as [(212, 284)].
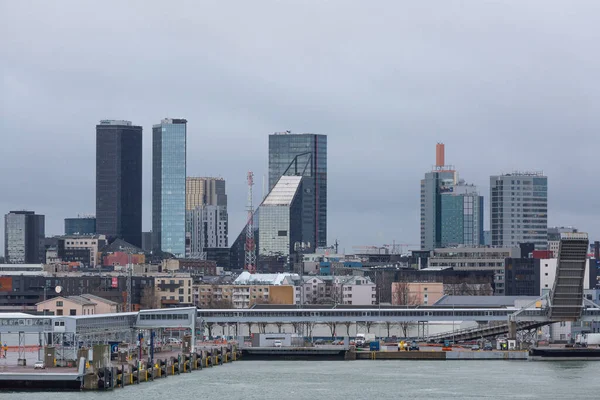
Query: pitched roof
[(99, 299), (119, 245), (74, 299)]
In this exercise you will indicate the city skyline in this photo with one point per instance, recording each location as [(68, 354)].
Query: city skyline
[(483, 92)]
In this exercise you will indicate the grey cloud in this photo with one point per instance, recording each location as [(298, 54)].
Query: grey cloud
[(506, 85)]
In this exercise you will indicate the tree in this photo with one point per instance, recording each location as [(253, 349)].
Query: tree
[(279, 326), (149, 299), (348, 324), (332, 326), (388, 325), (262, 326), (296, 326), (249, 328), (402, 296)]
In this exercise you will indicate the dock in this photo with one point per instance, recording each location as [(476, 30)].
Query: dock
[(104, 374)]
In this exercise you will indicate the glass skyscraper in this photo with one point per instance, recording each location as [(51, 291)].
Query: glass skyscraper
[(168, 185), (119, 181), (24, 238), (519, 209), (303, 155), (451, 211)]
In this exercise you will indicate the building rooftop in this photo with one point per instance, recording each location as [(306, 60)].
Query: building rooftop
[(481, 301), (284, 191), (116, 122), (82, 301), (98, 299), (246, 278)]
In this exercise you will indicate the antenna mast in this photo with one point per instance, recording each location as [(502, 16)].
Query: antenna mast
[(250, 248)]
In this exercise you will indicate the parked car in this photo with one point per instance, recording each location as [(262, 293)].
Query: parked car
[(488, 347), (414, 346), (277, 343), (475, 347), (174, 341), (39, 365)]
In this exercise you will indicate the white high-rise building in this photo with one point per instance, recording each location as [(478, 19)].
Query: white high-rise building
[(519, 209)]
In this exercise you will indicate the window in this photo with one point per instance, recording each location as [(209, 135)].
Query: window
[(59, 312), (59, 304), (72, 312)]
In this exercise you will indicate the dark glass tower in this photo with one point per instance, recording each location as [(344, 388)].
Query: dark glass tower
[(304, 155), (119, 181)]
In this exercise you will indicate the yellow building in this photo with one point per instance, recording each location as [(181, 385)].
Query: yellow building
[(241, 296)]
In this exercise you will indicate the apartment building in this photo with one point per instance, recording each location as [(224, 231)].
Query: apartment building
[(173, 289), (242, 296)]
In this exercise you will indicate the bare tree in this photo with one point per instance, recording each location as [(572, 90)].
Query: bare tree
[(149, 299), (209, 327), (262, 327), (332, 326), (249, 328), (279, 326), (388, 325), (402, 296), (348, 324), (296, 326)]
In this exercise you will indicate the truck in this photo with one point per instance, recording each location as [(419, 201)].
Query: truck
[(590, 339), (364, 338)]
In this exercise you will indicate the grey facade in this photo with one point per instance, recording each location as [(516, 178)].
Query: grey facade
[(303, 155), (24, 233), (461, 216), (519, 209), (281, 223), (169, 186), (147, 242), (206, 216), (119, 181), (80, 226)]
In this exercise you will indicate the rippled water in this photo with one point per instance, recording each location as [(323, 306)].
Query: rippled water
[(365, 379)]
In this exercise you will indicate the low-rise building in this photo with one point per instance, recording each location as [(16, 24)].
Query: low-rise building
[(173, 289), (69, 305), (416, 293)]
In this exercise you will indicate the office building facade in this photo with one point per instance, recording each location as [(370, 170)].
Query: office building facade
[(303, 155), (461, 216), (451, 210), (119, 181), (202, 191), (281, 217), (169, 185), (206, 216), (24, 233), (519, 209), (83, 226)]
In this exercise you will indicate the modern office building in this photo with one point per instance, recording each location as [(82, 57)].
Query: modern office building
[(519, 209), (119, 181), (83, 226), (303, 155), (168, 185), (201, 191), (206, 216), (24, 233), (147, 242), (281, 223), (461, 216), (206, 227), (451, 210)]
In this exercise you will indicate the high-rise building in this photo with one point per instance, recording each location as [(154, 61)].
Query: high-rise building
[(206, 215), (451, 210), (281, 223), (202, 191), (303, 155), (519, 209), (80, 226), (24, 233), (168, 185), (119, 181), (461, 216)]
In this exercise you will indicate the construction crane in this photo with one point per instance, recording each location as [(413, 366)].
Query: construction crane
[(395, 246), (250, 248)]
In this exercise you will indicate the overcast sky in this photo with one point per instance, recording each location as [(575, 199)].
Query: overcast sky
[(504, 84)]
